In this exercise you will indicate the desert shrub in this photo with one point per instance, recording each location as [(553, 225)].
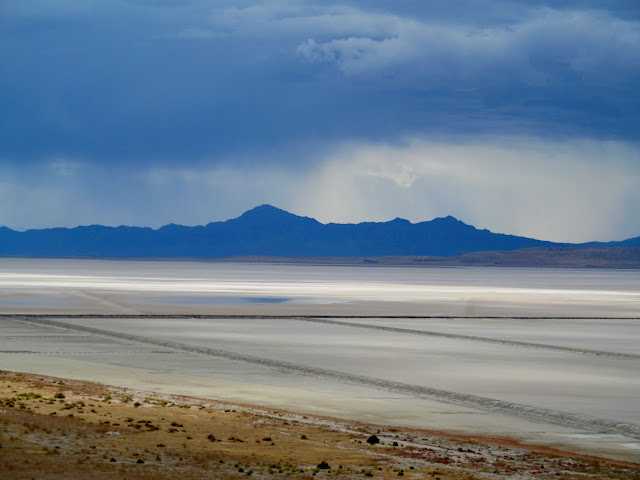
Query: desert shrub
[(29, 395), (373, 440)]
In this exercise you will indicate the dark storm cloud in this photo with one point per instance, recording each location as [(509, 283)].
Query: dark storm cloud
[(154, 111), (160, 82), (483, 12)]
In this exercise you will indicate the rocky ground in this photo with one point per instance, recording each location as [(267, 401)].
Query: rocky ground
[(65, 429)]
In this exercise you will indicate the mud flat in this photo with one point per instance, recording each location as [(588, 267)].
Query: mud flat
[(537, 357)]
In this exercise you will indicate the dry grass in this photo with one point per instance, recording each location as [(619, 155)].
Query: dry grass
[(98, 432)]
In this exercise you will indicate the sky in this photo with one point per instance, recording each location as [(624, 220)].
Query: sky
[(519, 116)]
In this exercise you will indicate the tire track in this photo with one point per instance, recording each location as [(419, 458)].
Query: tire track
[(571, 420), (473, 338)]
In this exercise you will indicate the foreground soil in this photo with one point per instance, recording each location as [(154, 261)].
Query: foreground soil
[(66, 429)]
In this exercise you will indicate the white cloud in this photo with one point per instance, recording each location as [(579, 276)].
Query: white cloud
[(563, 191), (287, 18), (546, 45)]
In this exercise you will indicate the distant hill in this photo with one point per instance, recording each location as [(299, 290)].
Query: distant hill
[(630, 242), (536, 257), (268, 231)]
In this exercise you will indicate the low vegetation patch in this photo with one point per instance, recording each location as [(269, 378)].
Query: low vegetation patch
[(92, 433)]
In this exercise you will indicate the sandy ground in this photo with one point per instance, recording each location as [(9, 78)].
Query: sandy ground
[(60, 428)]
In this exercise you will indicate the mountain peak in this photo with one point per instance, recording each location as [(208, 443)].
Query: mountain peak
[(265, 212), (171, 227), (448, 220), (265, 215), (265, 209)]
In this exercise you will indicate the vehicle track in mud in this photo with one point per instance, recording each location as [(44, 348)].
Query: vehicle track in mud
[(598, 424)]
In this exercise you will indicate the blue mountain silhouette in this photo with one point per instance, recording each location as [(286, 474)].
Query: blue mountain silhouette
[(268, 231)]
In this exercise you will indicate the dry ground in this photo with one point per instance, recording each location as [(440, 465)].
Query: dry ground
[(53, 428)]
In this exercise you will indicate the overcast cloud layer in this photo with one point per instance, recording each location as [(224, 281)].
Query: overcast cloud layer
[(520, 116)]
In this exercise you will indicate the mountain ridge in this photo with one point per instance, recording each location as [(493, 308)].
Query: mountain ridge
[(266, 230)]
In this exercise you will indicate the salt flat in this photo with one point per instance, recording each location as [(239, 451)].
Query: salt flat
[(607, 335), (156, 287), (584, 384), (543, 369)]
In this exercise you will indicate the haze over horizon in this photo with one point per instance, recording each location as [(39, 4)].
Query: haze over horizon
[(519, 117)]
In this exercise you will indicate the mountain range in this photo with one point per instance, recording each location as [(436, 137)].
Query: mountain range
[(272, 232)]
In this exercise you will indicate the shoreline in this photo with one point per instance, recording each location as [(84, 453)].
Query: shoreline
[(417, 452), (143, 365)]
